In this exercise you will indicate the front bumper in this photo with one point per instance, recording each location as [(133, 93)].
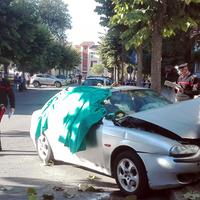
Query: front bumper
[(164, 172)]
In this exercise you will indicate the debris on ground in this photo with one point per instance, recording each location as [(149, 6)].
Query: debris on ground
[(93, 177), (48, 197), (131, 197), (58, 189), (88, 188), (191, 195), (32, 194), (67, 195)]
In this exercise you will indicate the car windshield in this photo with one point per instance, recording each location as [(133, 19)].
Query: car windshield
[(93, 82), (130, 101)]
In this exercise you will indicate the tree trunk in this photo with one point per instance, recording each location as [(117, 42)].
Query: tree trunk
[(156, 54), (118, 73), (139, 65), (122, 70), (115, 74)]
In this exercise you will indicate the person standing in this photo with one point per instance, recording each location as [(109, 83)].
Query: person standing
[(6, 97), (186, 84), (79, 79)]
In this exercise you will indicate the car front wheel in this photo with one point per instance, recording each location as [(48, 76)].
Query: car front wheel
[(36, 84), (58, 84), (130, 174), (44, 149)]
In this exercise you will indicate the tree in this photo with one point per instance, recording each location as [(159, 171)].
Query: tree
[(109, 53), (112, 49), (97, 69), (106, 10), (33, 37), (55, 14), (28, 31), (69, 58), (147, 19), (8, 33)]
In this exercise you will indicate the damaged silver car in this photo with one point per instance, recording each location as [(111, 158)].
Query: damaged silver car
[(143, 141)]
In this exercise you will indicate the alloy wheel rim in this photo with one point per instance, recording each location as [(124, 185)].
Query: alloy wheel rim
[(128, 175), (43, 147)]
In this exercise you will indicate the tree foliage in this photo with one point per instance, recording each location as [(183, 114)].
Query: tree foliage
[(32, 35), (55, 14), (153, 20), (97, 69)]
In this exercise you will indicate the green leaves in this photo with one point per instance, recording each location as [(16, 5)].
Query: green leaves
[(29, 29), (55, 14)]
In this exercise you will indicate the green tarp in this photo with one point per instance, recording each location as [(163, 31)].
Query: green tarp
[(73, 112)]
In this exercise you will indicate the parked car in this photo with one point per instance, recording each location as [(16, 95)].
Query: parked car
[(97, 80), (65, 78), (142, 141), (45, 79)]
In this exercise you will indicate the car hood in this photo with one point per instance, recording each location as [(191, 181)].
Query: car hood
[(181, 118)]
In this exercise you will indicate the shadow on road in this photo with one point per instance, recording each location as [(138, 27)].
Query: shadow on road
[(18, 188), (33, 99), (15, 133)]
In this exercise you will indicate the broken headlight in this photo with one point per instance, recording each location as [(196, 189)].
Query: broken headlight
[(184, 150)]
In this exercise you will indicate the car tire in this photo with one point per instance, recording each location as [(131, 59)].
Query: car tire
[(36, 84), (130, 174), (44, 149), (58, 84)]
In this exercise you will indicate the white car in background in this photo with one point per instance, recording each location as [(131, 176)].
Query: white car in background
[(45, 79)]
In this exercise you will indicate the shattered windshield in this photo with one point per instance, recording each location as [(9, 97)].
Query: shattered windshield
[(130, 101)]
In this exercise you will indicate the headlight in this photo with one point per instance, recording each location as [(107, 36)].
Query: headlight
[(184, 150)]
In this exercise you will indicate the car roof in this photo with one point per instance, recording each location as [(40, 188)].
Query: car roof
[(123, 87), (97, 78), (127, 87)]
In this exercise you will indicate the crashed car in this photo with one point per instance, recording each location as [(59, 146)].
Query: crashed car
[(141, 139)]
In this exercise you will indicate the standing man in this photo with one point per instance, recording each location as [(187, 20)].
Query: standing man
[(79, 79), (6, 97), (187, 82)]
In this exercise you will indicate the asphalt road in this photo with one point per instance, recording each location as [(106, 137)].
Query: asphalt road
[(20, 167)]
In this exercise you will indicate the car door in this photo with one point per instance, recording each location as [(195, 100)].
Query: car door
[(49, 80), (94, 150), (40, 78)]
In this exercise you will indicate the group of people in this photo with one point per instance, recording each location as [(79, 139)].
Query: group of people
[(21, 81)]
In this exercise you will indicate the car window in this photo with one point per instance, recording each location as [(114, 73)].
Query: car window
[(61, 77), (48, 76), (40, 75), (130, 101), (110, 82)]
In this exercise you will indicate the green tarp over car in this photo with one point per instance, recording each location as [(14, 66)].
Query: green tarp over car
[(74, 111)]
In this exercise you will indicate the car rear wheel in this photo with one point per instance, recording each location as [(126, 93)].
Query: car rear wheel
[(58, 84), (44, 149), (130, 174), (36, 84)]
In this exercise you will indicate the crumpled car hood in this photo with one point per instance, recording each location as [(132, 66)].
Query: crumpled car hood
[(182, 118)]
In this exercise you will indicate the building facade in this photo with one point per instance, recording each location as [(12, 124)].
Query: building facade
[(89, 57)]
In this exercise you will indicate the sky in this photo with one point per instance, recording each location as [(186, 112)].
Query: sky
[(85, 22)]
